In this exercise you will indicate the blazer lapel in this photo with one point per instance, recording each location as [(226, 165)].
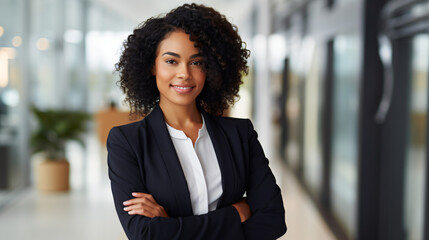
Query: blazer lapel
[(224, 157), (179, 185)]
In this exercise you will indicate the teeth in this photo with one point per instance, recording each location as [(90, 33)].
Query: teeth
[(182, 87)]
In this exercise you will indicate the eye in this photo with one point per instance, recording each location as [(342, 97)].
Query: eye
[(170, 61), (197, 63)]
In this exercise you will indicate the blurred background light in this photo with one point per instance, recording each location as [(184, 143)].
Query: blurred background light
[(260, 50), (1, 31), (43, 44), (277, 51), (5, 55), (10, 97), (104, 48), (73, 36), (17, 41), (4, 69)]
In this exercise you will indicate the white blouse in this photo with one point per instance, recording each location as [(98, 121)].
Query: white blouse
[(200, 167)]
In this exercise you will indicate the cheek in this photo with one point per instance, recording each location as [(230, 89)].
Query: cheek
[(200, 76), (203, 82), (163, 74)]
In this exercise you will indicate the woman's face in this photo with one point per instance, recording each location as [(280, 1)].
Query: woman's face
[(179, 70)]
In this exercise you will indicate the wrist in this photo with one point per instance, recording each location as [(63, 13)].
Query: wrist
[(243, 210)]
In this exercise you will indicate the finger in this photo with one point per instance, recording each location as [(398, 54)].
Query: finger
[(149, 208), (145, 209), (136, 201), (137, 206), (142, 210), (138, 198), (133, 207), (141, 195)]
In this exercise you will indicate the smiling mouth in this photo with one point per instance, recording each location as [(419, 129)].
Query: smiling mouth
[(182, 89)]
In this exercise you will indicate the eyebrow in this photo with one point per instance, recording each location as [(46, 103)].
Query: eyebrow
[(178, 55)]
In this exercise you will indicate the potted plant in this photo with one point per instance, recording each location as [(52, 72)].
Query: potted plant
[(55, 128)]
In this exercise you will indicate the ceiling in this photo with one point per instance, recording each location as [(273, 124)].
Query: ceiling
[(237, 11)]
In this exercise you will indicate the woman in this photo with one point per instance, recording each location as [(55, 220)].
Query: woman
[(182, 172)]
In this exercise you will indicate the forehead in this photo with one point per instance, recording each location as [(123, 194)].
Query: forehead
[(178, 42)]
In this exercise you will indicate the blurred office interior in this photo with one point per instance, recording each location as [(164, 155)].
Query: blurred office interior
[(337, 90)]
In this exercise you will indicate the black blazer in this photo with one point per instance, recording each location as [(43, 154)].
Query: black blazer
[(142, 158)]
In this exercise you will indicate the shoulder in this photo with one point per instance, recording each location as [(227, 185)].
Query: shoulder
[(127, 131), (139, 125), (231, 120), (234, 124), (135, 131), (131, 126)]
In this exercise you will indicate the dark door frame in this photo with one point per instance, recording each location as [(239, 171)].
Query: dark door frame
[(400, 28)]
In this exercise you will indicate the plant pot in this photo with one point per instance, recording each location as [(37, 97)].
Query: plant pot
[(52, 176)]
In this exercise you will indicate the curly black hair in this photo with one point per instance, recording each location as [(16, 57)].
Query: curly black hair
[(225, 58)]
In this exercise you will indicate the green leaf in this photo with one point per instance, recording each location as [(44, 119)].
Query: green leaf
[(56, 127)]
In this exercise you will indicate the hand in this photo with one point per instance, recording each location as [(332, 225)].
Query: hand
[(144, 204), (243, 209)]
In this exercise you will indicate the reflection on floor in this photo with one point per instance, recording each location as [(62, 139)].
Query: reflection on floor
[(302, 218), (86, 212)]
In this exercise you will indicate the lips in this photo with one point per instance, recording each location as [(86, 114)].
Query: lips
[(182, 88)]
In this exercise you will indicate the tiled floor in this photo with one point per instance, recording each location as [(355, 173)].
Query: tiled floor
[(86, 212)]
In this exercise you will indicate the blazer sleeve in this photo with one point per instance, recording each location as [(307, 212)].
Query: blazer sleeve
[(125, 176), (263, 195)]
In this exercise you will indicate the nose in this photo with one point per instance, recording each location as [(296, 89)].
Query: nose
[(183, 72)]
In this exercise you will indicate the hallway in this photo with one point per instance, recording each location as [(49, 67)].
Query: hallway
[(86, 212)]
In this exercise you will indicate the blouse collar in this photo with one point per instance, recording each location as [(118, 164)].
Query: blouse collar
[(175, 133)]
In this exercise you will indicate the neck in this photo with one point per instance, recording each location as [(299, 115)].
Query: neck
[(180, 117)]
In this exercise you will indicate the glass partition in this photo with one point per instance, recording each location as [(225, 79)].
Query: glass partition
[(43, 62), (415, 161), (294, 107), (345, 129), (12, 90), (313, 114)]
